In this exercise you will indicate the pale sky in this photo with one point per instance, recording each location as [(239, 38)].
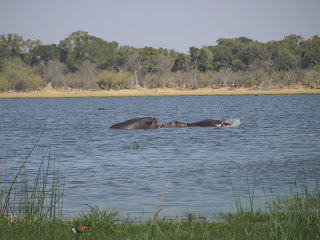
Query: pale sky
[(171, 24)]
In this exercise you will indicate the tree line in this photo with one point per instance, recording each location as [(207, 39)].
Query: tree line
[(83, 61)]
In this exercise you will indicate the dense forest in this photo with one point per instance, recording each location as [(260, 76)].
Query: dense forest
[(83, 61)]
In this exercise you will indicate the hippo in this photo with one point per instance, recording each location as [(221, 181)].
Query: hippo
[(174, 124), (205, 123), (209, 123), (137, 123)]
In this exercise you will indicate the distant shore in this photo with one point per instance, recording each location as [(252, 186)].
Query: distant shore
[(141, 92)]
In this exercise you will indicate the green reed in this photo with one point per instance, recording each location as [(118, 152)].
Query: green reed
[(244, 202), (135, 146), (294, 216), (41, 199)]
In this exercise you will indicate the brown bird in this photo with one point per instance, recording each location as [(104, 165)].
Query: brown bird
[(80, 229)]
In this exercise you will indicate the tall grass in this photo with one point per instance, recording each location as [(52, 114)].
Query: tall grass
[(294, 216), (135, 146), (244, 202), (5, 206), (99, 220), (44, 198), (40, 199), (155, 215)]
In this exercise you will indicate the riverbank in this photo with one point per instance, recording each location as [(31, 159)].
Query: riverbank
[(159, 92)]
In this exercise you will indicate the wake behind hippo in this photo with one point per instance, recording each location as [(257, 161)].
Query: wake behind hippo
[(137, 123)]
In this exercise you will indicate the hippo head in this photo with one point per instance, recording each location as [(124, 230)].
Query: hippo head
[(225, 124), (177, 124), (154, 123)]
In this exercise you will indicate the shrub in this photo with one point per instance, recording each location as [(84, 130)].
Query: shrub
[(111, 79), (18, 76)]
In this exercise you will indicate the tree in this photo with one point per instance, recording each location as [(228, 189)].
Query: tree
[(281, 56), (180, 63), (54, 72), (87, 75), (205, 59), (45, 53), (29, 46), (194, 56), (250, 52), (223, 53), (293, 43), (244, 40), (123, 57), (13, 45), (80, 47), (310, 52), (4, 55), (84, 78), (163, 66), (149, 56), (134, 65)]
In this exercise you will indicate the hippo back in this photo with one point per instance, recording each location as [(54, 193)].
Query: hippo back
[(137, 123), (209, 123)]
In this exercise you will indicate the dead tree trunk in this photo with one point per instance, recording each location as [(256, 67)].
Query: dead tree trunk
[(227, 78)]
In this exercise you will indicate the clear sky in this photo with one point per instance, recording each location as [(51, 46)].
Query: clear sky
[(171, 24)]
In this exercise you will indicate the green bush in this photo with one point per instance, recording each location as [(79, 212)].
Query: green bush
[(4, 85), (18, 76), (111, 79)]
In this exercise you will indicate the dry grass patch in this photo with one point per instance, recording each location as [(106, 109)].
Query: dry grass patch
[(141, 92)]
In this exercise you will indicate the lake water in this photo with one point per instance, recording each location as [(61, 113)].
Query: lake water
[(275, 141)]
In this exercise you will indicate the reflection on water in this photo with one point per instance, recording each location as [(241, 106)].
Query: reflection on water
[(273, 141)]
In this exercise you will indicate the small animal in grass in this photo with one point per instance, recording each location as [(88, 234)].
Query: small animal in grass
[(80, 229)]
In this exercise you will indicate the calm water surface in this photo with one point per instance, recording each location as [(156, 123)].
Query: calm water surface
[(277, 142)]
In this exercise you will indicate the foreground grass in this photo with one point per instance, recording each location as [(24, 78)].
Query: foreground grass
[(234, 226), (157, 92), (292, 217), (296, 217)]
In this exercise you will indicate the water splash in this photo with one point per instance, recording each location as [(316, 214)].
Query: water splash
[(234, 122)]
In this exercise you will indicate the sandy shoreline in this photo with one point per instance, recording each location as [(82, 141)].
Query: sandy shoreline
[(154, 92)]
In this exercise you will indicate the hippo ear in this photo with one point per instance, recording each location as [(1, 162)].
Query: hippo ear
[(154, 118)]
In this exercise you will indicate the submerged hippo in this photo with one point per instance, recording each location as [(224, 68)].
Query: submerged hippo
[(137, 123), (205, 123), (174, 124), (209, 123)]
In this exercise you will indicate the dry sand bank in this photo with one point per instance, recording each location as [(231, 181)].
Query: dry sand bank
[(155, 92)]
